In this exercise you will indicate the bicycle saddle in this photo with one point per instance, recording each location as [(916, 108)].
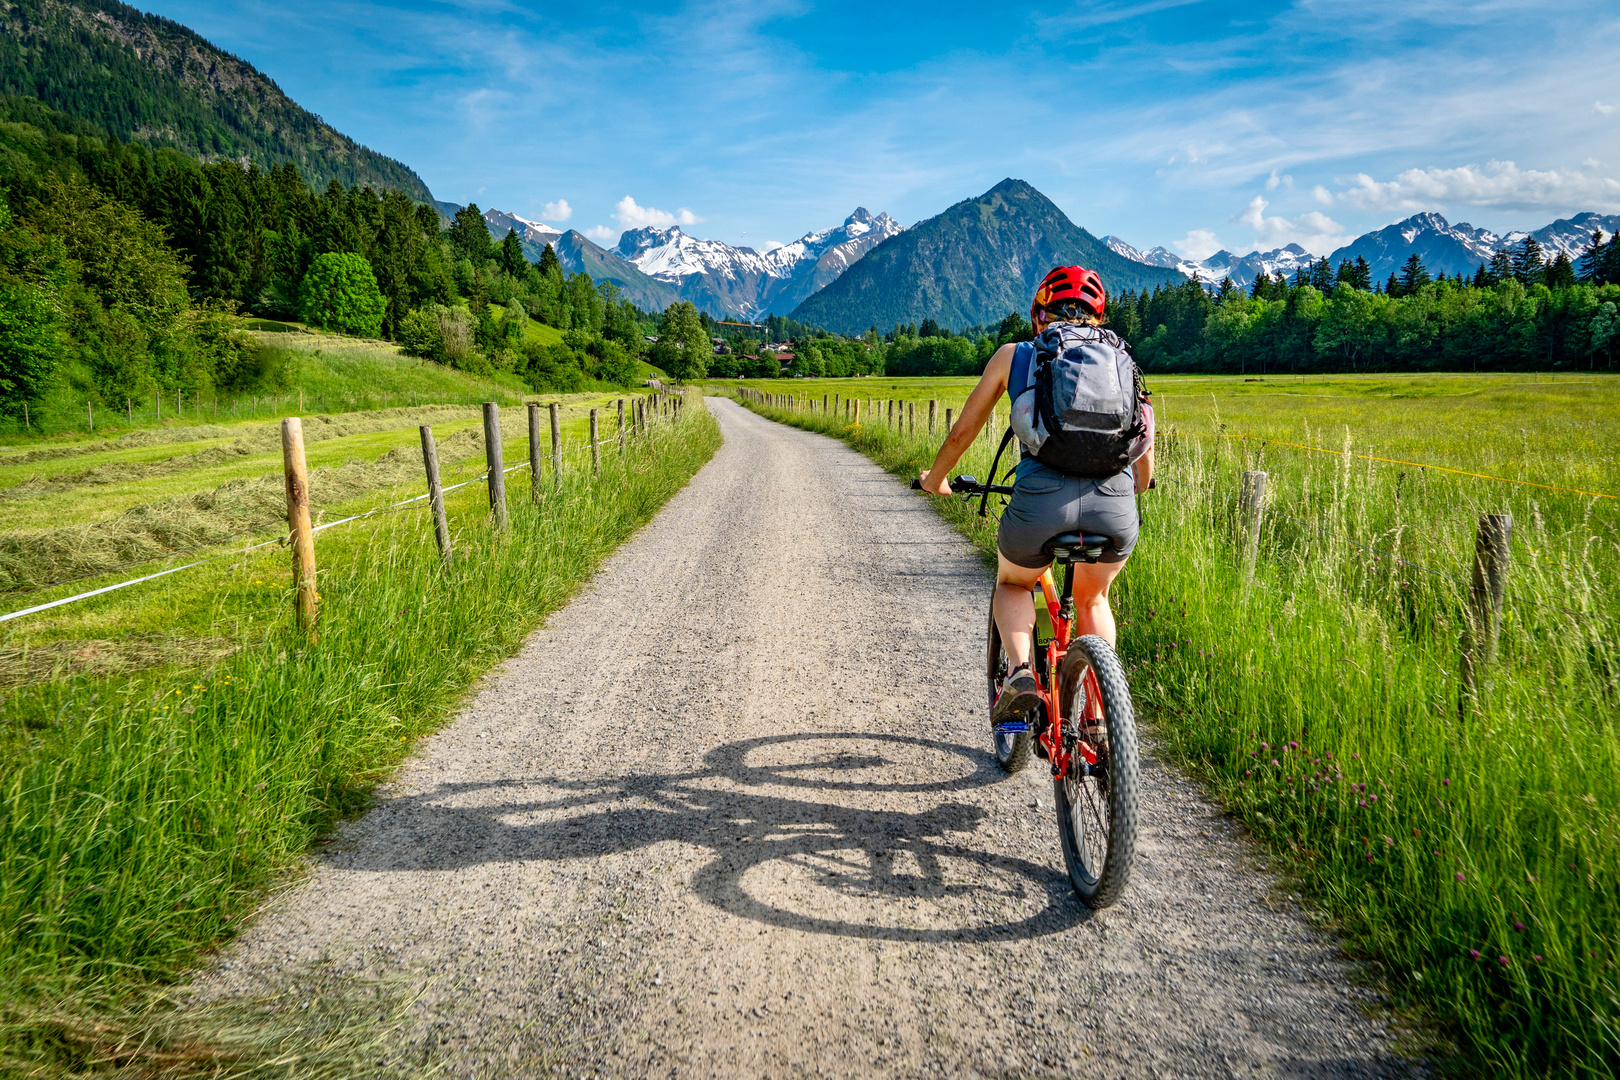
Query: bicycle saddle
[(1080, 547)]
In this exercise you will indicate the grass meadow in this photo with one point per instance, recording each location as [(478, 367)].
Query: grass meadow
[(1469, 850), (171, 751), (302, 372)]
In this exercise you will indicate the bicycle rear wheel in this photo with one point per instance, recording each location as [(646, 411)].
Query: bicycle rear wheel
[(1011, 747), (1097, 813)]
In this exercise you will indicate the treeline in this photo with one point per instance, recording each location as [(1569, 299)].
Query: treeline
[(121, 268), (1518, 312)]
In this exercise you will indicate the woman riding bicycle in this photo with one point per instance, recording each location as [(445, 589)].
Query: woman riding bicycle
[(1068, 316)]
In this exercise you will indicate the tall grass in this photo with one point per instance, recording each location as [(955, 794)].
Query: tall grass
[(140, 820), (1473, 852)]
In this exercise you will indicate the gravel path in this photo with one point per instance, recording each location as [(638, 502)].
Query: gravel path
[(731, 814)]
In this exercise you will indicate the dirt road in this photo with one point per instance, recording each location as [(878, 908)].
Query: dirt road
[(731, 814)]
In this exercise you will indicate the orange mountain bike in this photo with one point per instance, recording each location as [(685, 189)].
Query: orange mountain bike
[(1084, 728)]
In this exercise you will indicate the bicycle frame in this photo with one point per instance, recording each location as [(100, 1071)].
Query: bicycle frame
[(1057, 648)]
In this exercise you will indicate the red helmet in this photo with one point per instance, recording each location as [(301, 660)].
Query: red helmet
[(1073, 284)]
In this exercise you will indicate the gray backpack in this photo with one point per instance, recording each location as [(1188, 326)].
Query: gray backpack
[(1076, 402)]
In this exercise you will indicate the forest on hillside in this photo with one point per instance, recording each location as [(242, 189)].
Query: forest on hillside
[(123, 271), (147, 79)]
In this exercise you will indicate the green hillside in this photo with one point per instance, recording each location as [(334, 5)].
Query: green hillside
[(149, 80), (969, 266), (581, 256)]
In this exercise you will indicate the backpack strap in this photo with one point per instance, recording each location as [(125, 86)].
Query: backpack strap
[(984, 498), (1023, 359)]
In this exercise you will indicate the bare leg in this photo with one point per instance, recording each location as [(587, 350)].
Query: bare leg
[(1015, 609), (1092, 615)]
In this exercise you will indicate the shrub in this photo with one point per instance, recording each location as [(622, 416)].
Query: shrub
[(340, 293)]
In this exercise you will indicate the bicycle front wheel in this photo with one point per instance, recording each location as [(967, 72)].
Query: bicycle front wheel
[(1097, 806), (1011, 747)]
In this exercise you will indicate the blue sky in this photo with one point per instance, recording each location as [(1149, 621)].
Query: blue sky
[(1188, 123)]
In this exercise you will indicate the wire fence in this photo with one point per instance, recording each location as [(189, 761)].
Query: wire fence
[(641, 411)]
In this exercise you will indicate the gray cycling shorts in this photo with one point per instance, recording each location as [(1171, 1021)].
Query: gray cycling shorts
[(1046, 503)]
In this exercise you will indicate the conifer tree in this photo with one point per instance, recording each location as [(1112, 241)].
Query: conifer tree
[(1322, 276), (1501, 267), (549, 261), (1363, 275), (1592, 258), (1392, 287), (511, 256), (1560, 273), (1261, 289), (1527, 262), (1414, 275)]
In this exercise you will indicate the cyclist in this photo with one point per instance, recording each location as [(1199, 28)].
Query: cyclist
[(1045, 502)]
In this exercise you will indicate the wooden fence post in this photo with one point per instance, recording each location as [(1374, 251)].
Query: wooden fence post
[(534, 451), (1486, 591), (1251, 509), (90, 412), (948, 424), (556, 444), (857, 412), (911, 418), (933, 411), (430, 461), (596, 446), (307, 600), (621, 425), (492, 455)]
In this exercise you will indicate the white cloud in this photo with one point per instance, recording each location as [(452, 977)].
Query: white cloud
[(1602, 109), (772, 245), (1313, 230), (1197, 244), (556, 211), (1322, 195), (1273, 182), (601, 234), (632, 216), (1499, 185)]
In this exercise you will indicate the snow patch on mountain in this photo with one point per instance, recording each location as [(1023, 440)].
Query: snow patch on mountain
[(1445, 248), (531, 232)]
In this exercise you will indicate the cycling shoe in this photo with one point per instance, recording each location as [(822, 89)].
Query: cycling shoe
[(1019, 700)]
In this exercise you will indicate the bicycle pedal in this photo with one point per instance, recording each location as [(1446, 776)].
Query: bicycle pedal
[(1011, 727)]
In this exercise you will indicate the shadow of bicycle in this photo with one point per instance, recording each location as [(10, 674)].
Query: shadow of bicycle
[(812, 864)]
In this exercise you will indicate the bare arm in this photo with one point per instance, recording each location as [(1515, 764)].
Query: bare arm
[(975, 413)]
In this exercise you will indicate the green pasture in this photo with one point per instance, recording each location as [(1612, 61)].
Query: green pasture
[(1559, 429), (1468, 847)]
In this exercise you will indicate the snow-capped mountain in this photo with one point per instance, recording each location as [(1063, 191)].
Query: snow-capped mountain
[(1445, 249), (741, 281), (1242, 269), (535, 235)]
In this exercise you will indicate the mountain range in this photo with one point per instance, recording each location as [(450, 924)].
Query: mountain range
[(149, 80), (1444, 248), (972, 264), (740, 281)]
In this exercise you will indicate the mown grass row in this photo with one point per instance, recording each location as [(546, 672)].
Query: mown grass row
[(1473, 853), (141, 819)]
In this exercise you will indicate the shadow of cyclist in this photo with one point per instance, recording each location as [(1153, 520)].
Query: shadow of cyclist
[(881, 863)]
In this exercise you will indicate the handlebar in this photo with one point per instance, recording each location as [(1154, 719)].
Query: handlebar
[(969, 485)]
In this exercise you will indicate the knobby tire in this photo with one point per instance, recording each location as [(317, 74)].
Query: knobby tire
[(1097, 818)]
